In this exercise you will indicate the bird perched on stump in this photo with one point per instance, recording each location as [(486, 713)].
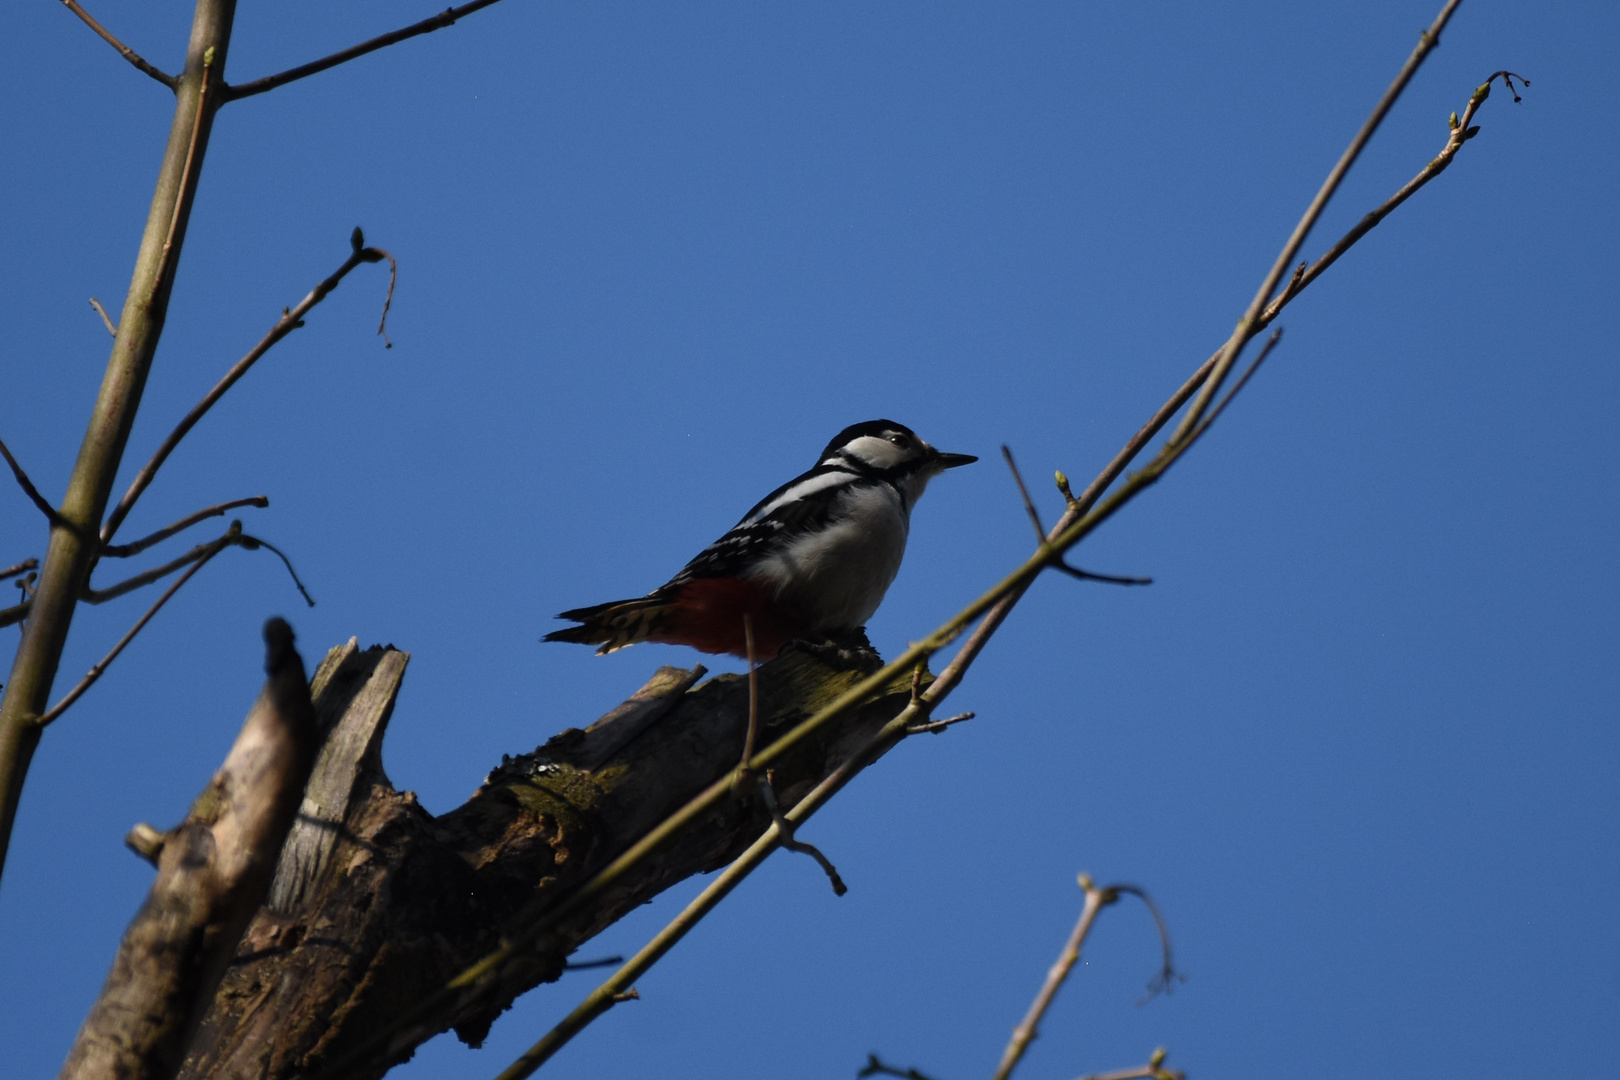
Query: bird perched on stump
[(809, 563)]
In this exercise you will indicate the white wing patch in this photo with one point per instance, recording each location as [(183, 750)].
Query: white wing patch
[(800, 491)]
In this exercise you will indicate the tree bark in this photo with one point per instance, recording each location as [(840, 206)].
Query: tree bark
[(378, 904), (214, 870)]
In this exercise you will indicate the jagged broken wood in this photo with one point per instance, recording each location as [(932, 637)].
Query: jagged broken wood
[(377, 903)]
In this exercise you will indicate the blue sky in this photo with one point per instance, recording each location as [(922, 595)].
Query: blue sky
[(1358, 739)]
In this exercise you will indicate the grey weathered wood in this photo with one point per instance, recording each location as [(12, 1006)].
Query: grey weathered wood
[(213, 872), (355, 694)]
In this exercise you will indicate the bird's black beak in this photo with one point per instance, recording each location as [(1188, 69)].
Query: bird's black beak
[(951, 461)]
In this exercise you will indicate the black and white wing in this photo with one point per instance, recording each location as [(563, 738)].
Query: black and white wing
[(804, 504)]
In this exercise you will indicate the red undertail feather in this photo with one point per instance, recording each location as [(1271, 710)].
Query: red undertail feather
[(705, 614)]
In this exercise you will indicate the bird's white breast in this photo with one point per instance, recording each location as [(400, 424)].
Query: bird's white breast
[(836, 576)]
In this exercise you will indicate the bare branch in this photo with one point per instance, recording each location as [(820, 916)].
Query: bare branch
[(1024, 1033), (1040, 530), (291, 319), (233, 537), (1249, 324), (202, 551), (1029, 504), (1153, 1070), (254, 543), (1168, 976), (1110, 579), (39, 501), (1243, 380), (124, 551), (15, 614), (89, 680), (1461, 132), (123, 50), (936, 726), (1079, 506), (20, 568), (106, 320), (585, 965), (784, 827), (445, 18)]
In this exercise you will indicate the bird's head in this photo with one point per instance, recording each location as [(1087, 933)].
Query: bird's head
[(892, 452)]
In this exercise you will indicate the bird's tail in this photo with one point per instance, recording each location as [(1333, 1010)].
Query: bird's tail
[(614, 625)]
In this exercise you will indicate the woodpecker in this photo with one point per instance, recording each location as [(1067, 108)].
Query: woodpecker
[(810, 561)]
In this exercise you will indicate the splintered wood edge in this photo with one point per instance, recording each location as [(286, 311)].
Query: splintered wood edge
[(329, 664), (349, 744)]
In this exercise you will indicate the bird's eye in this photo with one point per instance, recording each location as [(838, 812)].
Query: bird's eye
[(899, 440)]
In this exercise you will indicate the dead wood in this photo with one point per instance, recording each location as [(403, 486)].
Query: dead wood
[(377, 904)]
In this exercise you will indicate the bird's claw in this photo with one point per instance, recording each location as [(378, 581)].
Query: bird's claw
[(846, 650)]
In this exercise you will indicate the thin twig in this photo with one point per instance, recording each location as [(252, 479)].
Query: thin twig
[(1461, 132), (767, 792), (426, 26), (1110, 579), (586, 965), (202, 551), (291, 319), (234, 536), (1040, 530), (15, 614), (1165, 981), (934, 727), (1024, 1033), (124, 551), (1243, 380), (254, 543), (875, 1067), (39, 501), (1153, 1070), (95, 672), (123, 50), (388, 300), (1249, 324), (20, 568), (1082, 504), (106, 320), (1029, 504)]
